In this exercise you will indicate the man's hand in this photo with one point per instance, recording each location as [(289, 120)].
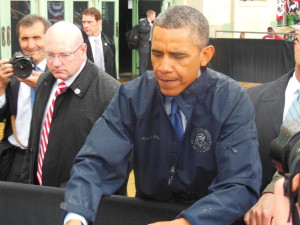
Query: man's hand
[(180, 221), (32, 80), (262, 212), (74, 222), (6, 71)]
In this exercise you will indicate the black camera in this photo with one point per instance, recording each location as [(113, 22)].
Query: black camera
[(286, 147), (22, 65), (285, 154)]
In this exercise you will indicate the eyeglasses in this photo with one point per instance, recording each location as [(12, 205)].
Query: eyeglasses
[(62, 56)]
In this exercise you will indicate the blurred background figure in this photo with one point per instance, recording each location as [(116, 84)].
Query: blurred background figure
[(145, 26), (242, 35), (271, 34), (287, 37)]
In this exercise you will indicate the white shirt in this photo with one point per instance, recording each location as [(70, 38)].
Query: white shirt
[(24, 111), (290, 93)]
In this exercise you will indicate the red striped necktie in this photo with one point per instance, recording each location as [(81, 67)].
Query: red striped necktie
[(46, 130)]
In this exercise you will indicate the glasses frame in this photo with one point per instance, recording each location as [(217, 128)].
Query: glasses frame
[(62, 56)]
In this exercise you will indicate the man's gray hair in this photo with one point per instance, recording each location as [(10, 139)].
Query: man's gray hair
[(185, 16)]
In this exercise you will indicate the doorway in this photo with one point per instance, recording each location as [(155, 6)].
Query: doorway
[(125, 15)]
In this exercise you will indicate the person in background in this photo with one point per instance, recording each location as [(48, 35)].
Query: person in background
[(272, 103), (242, 35), (272, 35), (145, 26), (287, 37), (16, 96), (297, 19), (187, 143), (100, 48), (291, 17), (70, 97)]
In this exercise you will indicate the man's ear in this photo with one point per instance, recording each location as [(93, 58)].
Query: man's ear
[(206, 54)]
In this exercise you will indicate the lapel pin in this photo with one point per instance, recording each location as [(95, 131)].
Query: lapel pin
[(77, 91)]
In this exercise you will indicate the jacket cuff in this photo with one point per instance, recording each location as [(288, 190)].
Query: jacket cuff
[(188, 217)]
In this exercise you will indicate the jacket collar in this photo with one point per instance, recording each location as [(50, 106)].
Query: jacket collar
[(81, 83)]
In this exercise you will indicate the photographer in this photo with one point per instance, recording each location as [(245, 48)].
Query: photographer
[(284, 152), (275, 97), (16, 96)]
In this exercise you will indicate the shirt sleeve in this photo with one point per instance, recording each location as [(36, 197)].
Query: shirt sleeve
[(270, 186), (2, 100), (74, 216)]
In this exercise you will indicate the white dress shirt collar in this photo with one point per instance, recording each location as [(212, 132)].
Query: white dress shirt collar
[(41, 66), (293, 86)]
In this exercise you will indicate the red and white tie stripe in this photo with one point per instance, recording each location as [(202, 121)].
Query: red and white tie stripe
[(46, 130)]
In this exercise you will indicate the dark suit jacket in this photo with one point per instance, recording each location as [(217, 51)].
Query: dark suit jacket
[(74, 114), (144, 36), (108, 52), (10, 108), (268, 101)]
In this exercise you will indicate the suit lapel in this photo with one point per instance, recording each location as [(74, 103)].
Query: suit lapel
[(276, 99), (42, 95)]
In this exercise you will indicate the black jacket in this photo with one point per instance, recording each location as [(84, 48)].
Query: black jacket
[(144, 35), (108, 52), (10, 108), (268, 101)]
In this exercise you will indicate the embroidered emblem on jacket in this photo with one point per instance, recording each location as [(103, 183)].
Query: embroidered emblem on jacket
[(150, 138), (201, 140)]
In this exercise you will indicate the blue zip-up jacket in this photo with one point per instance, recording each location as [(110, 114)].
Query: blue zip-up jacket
[(215, 167)]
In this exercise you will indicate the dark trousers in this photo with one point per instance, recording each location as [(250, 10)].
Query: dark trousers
[(11, 162), (144, 61)]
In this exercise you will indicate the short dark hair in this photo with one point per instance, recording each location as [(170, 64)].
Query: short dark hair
[(185, 16), (93, 12), (29, 20)]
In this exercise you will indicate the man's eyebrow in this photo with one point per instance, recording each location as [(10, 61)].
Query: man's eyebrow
[(178, 53), (156, 51), (172, 53)]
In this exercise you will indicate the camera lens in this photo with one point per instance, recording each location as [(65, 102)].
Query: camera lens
[(286, 147), (22, 65), (23, 68)]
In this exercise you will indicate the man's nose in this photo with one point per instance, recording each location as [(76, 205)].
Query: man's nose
[(31, 43)]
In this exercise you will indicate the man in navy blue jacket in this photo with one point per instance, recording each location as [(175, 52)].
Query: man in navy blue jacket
[(214, 165)]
